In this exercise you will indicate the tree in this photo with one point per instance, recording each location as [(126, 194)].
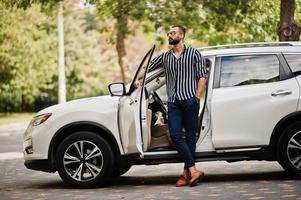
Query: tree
[(237, 21), (121, 12), (149, 14), (28, 39), (25, 53), (28, 56), (288, 29)]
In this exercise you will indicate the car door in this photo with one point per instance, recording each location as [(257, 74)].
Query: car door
[(251, 94), (204, 142), (132, 112), (294, 62)]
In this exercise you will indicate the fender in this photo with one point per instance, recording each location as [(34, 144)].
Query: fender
[(68, 129), (281, 125)]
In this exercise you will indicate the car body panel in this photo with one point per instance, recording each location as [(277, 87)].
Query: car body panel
[(298, 78), (247, 115), (273, 49), (204, 142), (100, 110), (128, 122)]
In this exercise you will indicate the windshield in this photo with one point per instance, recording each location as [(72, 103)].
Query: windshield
[(148, 75)]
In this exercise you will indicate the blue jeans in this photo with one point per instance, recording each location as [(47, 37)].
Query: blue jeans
[(184, 114)]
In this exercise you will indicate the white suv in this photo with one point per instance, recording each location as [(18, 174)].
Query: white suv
[(251, 111)]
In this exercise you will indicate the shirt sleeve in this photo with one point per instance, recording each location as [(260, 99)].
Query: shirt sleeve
[(200, 65), (156, 63)]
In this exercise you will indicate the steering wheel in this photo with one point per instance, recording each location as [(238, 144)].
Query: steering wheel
[(158, 100)]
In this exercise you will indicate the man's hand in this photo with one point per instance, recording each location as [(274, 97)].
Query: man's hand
[(139, 79), (137, 84), (201, 88)]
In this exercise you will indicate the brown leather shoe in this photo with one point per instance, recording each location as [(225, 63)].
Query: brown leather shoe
[(196, 177), (182, 181)]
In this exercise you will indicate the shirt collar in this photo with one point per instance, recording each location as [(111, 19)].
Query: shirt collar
[(171, 51)]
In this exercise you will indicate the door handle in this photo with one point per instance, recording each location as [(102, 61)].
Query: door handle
[(281, 93), (133, 101)]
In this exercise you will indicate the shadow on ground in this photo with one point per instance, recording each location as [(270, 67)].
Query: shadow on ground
[(170, 180)]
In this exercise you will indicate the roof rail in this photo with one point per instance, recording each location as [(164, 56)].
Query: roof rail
[(254, 44)]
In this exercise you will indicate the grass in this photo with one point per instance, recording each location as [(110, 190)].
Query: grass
[(10, 118)]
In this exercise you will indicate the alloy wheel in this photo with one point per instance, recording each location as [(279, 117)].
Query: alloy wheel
[(83, 160), (294, 150)]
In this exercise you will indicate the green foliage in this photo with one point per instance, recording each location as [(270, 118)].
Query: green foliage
[(28, 40), (46, 4), (28, 57), (116, 10), (27, 52), (10, 102), (83, 53), (211, 22), (219, 21), (298, 11)]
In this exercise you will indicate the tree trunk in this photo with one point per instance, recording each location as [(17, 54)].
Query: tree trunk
[(121, 28), (288, 29), (120, 47), (23, 103)]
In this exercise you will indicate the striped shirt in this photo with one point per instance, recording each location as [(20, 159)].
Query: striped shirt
[(182, 74)]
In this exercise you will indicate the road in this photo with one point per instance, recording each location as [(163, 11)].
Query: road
[(241, 180)]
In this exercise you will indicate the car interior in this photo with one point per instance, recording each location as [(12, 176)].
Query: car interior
[(158, 138)]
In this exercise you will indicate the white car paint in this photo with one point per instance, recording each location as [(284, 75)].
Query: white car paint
[(101, 110), (247, 115)]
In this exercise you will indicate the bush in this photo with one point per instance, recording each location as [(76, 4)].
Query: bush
[(10, 102), (44, 100)]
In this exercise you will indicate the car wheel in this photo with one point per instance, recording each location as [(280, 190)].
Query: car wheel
[(289, 149), (84, 159)]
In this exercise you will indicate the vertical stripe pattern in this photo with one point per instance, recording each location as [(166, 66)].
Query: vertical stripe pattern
[(182, 74)]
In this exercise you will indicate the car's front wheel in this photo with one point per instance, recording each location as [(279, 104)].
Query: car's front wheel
[(289, 149), (84, 159)]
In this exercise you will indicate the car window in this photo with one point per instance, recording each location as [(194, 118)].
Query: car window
[(208, 65), (140, 73), (246, 70), (294, 61)]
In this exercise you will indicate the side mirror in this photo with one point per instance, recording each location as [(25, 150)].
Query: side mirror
[(117, 89)]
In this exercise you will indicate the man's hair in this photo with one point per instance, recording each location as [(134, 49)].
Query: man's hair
[(182, 28)]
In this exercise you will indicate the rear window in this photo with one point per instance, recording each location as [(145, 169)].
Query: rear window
[(248, 70), (294, 61)]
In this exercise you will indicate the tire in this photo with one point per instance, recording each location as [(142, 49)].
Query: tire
[(120, 170), (289, 149), (84, 160)]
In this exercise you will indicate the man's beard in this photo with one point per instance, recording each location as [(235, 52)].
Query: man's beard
[(173, 42)]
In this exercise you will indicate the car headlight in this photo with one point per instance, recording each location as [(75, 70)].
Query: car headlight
[(37, 120)]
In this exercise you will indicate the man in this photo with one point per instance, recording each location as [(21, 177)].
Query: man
[(185, 82)]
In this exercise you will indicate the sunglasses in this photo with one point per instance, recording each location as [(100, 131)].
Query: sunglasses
[(172, 33)]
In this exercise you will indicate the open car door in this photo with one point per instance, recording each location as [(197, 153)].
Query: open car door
[(133, 117)]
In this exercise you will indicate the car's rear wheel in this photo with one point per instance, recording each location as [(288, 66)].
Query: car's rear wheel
[(289, 149), (84, 159)]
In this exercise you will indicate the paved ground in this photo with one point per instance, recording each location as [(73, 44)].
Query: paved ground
[(241, 180), (11, 137)]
